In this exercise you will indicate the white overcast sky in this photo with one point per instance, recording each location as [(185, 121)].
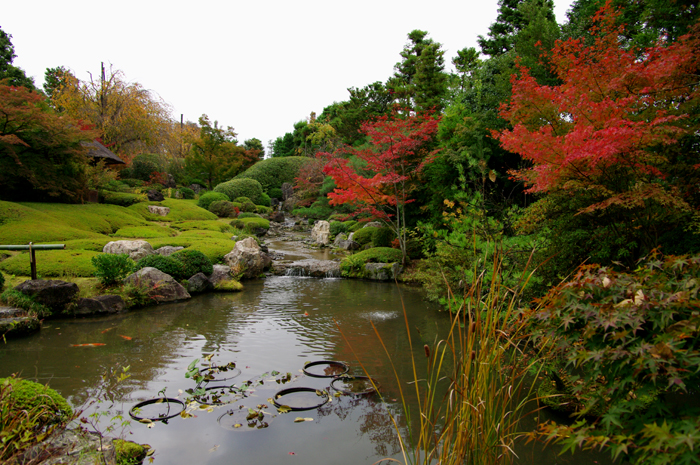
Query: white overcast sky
[(258, 66)]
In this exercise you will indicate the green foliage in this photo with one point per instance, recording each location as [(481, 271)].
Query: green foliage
[(143, 166), (99, 218), (17, 299), (242, 200), (205, 200), (247, 215), (625, 337), (53, 263), (186, 193), (122, 199), (145, 232), (251, 224), (356, 262), (237, 224), (264, 200), (29, 412), (314, 212), (337, 227), (273, 172), (129, 453), (193, 262), (180, 210), (202, 225), (222, 208), (382, 237), (364, 236), (212, 243), (241, 187), (248, 207), (2, 281), (167, 265), (263, 210), (112, 268), (275, 193)]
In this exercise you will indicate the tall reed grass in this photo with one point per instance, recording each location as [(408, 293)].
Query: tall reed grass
[(478, 384)]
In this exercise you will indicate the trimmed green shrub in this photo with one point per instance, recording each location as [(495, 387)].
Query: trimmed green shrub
[(248, 215), (122, 199), (382, 237), (273, 172), (187, 193), (131, 182), (238, 224), (265, 200), (248, 207), (222, 208), (2, 281), (30, 396), (205, 200), (167, 265), (112, 268), (263, 210), (193, 262), (315, 213), (144, 165), (241, 188), (242, 200), (365, 235), (336, 227), (275, 193)]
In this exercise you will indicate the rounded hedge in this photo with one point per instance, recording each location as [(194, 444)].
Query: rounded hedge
[(265, 200), (275, 193), (242, 200), (382, 237), (193, 262), (364, 235), (273, 172), (187, 193), (205, 200), (222, 208), (167, 265), (241, 188)]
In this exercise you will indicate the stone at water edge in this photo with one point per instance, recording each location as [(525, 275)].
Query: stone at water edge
[(161, 286), (321, 232), (199, 283), (54, 294), (220, 273), (102, 304), (247, 259), (382, 271)]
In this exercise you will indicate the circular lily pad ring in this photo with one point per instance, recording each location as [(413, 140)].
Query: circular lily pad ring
[(340, 367), (276, 399), (212, 402), (369, 383), (169, 401), (228, 374)]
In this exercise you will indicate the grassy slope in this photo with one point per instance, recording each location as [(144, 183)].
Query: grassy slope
[(85, 229)]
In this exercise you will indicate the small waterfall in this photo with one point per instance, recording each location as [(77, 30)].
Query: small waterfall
[(313, 268)]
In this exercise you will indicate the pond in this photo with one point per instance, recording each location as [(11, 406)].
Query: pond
[(269, 332)]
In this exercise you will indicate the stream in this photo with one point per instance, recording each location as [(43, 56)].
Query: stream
[(269, 331)]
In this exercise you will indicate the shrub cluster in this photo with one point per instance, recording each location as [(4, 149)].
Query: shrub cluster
[(356, 262), (193, 262), (187, 193), (222, 209), (122, 199), (241, 188), (205, 200), (382, 237), (365, 235), (275, 193), (112, 268), (273, 172), (167, 265)]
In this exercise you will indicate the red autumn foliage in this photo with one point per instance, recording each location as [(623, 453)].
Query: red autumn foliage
[(606, 127), (380, 177)]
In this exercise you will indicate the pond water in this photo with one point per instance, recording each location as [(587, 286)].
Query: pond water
[(261, 338)]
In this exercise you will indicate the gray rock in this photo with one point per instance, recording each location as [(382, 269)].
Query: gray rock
[(246, 259), (321, 232), (170, 182), (347, 245), (19, 326), (100, 305), (220, 273), (196, 188), (373, 224), (287, 191), (54, 294), (160, 211), (382, 271), (199, 283), (154, 196), (277, 217), (135, 249), (161, 287), (167, 250)]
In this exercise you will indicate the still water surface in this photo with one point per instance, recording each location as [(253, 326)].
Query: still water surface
[(275, 325)]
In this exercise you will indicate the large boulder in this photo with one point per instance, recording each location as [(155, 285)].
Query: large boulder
[(247, 259), (154, 196), (135, 249), (321, 232), (54, 294), (373, 224), (199, 283), (382, 271), (277, 217), (161, 287), (100, 305), (287, 191), (160, 211)]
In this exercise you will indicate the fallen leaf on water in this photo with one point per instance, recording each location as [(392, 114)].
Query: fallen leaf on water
[(284, 409), (298, 420), (184, 414), (214, 448), (92, 344), (237, 425), (125, 337)]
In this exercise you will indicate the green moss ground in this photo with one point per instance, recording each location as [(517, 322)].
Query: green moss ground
[(145, 232), (180, 210)]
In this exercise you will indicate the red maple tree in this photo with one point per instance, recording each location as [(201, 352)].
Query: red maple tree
[(379, 177), (607, 128)]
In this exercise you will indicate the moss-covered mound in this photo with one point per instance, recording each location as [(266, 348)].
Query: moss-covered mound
[(243, 187), (129, 453), (354, 264), (273, 172), (27, 395), (145, 232), (52, 263), (180, 210)]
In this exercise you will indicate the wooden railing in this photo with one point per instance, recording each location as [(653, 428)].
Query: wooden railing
[(32, 248)]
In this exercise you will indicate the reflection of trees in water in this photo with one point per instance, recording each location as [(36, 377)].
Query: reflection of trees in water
[(374, 421)]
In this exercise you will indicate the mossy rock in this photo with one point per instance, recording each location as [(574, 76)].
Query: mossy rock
[(31, 396), (19, 326), (230, 285), (129, 453)]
